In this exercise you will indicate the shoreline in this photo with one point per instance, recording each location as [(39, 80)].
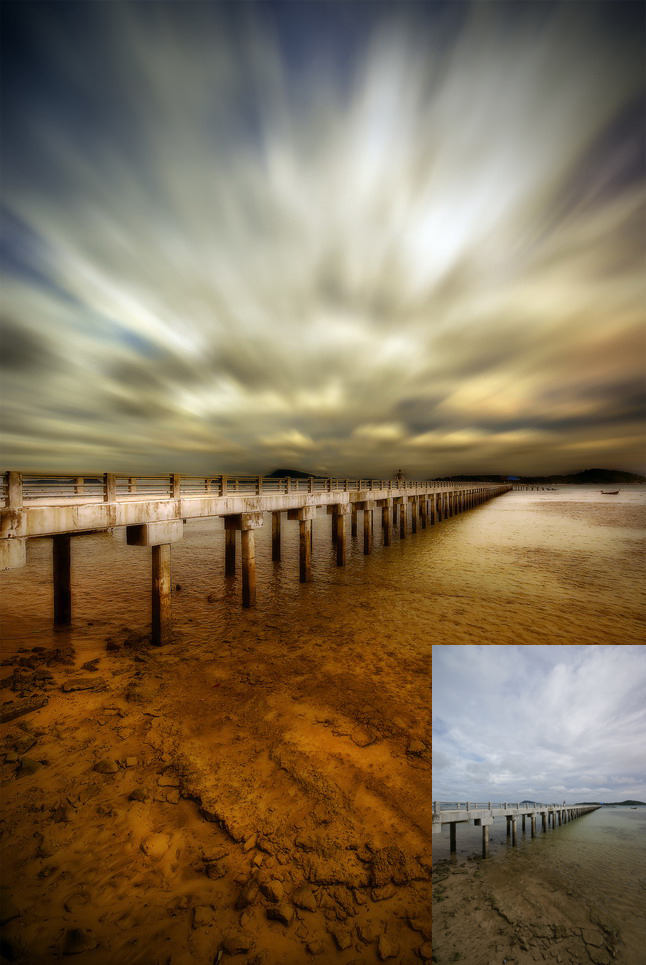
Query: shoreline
[(484, 913)]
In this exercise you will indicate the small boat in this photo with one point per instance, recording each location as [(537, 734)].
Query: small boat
[(613, 492), (633, 809)]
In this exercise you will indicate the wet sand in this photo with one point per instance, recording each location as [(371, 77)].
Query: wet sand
[(264, 801), (485, 913)]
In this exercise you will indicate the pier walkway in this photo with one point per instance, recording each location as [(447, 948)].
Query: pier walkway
[(153, 510), (482, 815)]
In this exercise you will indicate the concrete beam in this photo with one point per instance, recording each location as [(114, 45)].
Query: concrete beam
[(243, 521), (154, 534), (302, 513)]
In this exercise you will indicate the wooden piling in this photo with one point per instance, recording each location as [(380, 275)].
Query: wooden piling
[(485, 840), (161, 594), (62, 580)]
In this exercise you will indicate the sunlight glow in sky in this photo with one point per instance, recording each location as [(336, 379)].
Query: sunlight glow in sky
[(345, 237)]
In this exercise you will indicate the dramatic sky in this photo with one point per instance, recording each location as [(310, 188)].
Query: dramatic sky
[(342, 236), (546, 724)]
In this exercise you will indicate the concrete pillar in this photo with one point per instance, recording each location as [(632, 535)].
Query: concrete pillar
[(62, 580), (367, 531), (413, 512), (354, 521), (386, 522), (248, 567), (508, 816), (453, 843), (533, 822), (523, 823), (560, 818), (485, 840), (402, 521), (161, 596), (275, 536), (432, 509), (305, 554), (395, 516), (513, 831), (340, 539), (423, 511), (544, 817), (229, 552)]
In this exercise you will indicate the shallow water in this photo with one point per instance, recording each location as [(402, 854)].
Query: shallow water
[(601, 856), (527, 567)]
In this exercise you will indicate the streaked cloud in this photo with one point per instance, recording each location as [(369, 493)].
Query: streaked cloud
[(354, 235), (540, 721)]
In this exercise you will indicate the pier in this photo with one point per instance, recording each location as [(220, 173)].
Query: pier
[(153, 510), (482, 815)]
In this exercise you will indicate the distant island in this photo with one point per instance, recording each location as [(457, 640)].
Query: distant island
[(612, 804), (589, 477)]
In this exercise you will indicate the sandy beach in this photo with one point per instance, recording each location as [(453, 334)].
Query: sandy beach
[(264, 803), (486, 913)]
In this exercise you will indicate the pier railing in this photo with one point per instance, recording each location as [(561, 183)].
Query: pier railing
[(18, 488)]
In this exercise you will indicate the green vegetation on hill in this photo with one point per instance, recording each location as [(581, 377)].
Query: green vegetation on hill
[(612, 804)]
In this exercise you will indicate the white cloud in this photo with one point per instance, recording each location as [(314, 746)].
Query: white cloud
[(585, 703)]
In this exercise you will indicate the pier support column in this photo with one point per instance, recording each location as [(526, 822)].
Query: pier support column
[(305, 550), (248, 567), (354, 521), (423, 511), (161, 597), (523, 823), (338, 512), (340, 539), (453, 843), (229, 552), (413, 513), (275, 537), (402, 521), (485, 840), (304, 515), (432, 509), (508, 816), (246, 523), (560, 818), (395, 516), (533, 817), (544, 817), (513, 831), (367, 531), (386, 515), (62, 580)]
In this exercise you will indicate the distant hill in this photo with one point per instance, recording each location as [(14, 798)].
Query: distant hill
[(588, 477), (612, 804), (294, 474)]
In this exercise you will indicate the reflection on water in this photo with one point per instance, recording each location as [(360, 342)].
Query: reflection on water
[(528, 567), (600, 856)]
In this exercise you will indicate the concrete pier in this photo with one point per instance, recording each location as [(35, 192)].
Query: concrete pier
[(484, 814), (161, 594), (62, 580), (153, 509), (275, 537)]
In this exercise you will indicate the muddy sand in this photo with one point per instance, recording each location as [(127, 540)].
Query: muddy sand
[(486, 913), (262, 803)]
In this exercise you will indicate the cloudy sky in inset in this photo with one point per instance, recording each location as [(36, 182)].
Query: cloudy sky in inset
[(342, 236), (543, 724)]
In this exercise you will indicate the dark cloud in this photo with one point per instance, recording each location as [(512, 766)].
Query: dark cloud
[(367, 235)]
